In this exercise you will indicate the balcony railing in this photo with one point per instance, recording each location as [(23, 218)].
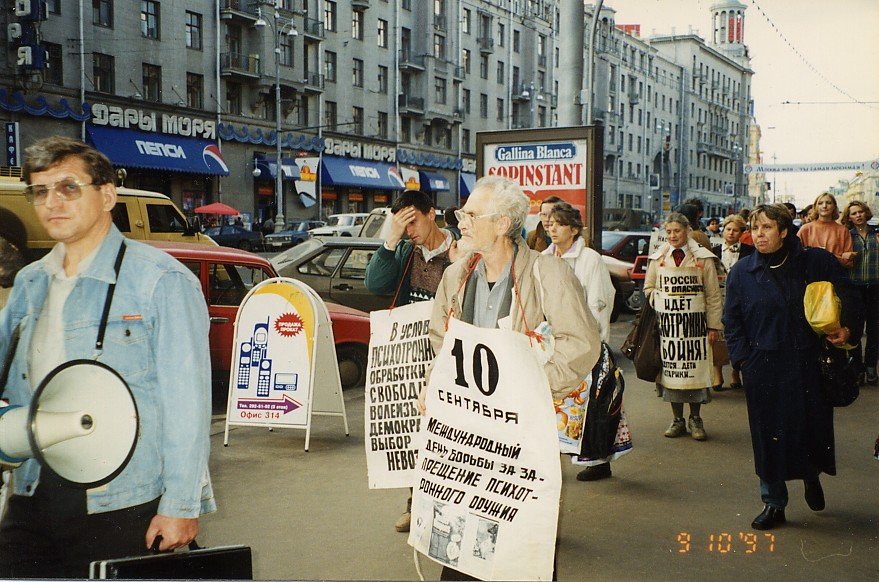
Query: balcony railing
[(541, 61), (240, 9), (459, 73), (486, 44), (243, 64), (314, 28), (411, 103), (439, 22), (313, 80), (410, 61)]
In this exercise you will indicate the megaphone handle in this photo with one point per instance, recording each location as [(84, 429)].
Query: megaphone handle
[(157, 541)]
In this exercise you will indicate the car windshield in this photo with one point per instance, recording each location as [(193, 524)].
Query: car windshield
[(610, 239), (293, 254), (297, 226), (336, 220)]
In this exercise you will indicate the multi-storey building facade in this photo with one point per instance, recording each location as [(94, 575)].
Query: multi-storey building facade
[(373, 93), (675, 108)]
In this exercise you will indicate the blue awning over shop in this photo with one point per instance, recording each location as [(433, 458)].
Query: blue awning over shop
[(268, 168), (140, 149), (466, 184), (336, 171), (433, 182)]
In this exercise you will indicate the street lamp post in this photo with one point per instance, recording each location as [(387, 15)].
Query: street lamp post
[(281, 25)]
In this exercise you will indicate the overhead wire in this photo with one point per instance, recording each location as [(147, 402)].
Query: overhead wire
[(806, 61)]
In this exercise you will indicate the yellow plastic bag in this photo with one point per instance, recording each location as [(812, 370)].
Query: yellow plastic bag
[(822, 307)]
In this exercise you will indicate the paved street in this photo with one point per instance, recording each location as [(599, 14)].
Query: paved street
[(311, 515)]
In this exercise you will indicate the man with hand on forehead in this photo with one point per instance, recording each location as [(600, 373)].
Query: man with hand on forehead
[(411, 270)]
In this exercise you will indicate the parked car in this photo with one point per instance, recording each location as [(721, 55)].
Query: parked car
[(335, 268), (295, 233), (619, 250), (342, 225), (230, 235), (627, 219), (226, 276)]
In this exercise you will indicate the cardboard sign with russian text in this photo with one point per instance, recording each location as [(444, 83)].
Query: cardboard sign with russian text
[(487, 487)]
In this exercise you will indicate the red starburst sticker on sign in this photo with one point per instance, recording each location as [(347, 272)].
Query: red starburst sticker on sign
[(288, 325)]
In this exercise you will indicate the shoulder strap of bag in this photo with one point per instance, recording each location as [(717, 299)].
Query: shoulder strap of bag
[(10, 355), (99, 344)]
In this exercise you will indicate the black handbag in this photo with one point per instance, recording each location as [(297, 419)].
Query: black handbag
[(839, 375), (220, 563), (642, 345)]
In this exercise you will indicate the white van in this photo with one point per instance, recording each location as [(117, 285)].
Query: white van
[(341, 225)]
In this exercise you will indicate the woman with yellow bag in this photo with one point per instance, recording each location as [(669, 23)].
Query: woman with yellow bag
[(772, 343)]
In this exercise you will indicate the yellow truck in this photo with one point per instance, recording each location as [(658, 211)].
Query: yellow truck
[(139, 214)]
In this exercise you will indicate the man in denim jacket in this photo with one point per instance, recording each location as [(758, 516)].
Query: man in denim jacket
[(156, 338)]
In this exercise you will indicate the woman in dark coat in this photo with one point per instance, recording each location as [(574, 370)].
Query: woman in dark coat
[(772, 344)]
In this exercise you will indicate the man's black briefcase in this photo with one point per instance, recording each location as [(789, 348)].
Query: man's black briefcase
[(226, 562)]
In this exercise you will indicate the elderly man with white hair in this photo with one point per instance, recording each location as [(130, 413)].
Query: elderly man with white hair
[(496, 285)]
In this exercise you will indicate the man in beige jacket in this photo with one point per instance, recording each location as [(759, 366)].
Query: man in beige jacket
[(501, 283)]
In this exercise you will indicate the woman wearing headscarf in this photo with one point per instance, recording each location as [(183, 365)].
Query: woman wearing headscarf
[(865, 279), (771, 342), (729, 252), (681, 256), (824, 232)]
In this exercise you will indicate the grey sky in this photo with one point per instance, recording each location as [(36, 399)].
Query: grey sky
[(838, 38)]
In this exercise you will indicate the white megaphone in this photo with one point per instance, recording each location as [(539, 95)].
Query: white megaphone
[(81, 425)]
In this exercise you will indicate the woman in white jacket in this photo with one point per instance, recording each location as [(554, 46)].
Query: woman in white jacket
[(565, 227), (565, 230)]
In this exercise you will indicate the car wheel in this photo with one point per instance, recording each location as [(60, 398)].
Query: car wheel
[(244, 245), (352, 365), (635, 301)]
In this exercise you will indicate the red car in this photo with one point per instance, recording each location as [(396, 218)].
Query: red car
[(226, 276)]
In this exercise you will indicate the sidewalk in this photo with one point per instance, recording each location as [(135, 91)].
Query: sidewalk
[(311, 515)]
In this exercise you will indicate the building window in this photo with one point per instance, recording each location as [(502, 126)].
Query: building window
[(500, 109), (194, 91), (329, 16), (357, 79), (233, 98), (541, 116), (193, 30), (467, 21), (382, 37), (54, 73), (465, 97), (440, 90), (501, 33), (103, 76), (483, 106), (465, 60), (330, 115), (405, 130), (149, 19), (330, 66), (407, 4), (439, 6), (465, 141), (383, 79), (286, 47), (54, 6), (515, 79), (501, 77), (357, 120), (383, 125), (517, 41), (152, 83), (102, 13), (357, 25), (483, 66), (439, 47)]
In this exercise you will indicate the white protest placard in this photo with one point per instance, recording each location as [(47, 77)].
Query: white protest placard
[(683, 328), (487, 487), (399, 353), (282, 335)]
